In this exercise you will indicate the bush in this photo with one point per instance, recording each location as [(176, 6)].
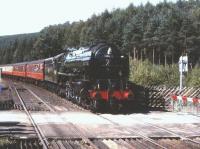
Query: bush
[(145, 73), (193, 78)]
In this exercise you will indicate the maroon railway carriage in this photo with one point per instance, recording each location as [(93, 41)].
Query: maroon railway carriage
[(19, 70), (6, 69), (35, 70)]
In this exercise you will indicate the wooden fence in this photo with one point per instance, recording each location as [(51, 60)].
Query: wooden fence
[(160, 98)]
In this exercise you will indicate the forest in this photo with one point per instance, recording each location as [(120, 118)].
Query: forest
[(159, 34)]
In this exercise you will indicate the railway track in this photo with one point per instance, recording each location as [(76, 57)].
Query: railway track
[(82, 141), (186, 142), (50, 100), (30, 101), (110, 143), (6, 102), (141, 142), (145, 139), (85, 139), (39, 133), (104, 143), (82, 136), (181, 137)]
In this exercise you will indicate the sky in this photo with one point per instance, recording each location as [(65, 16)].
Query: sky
[(27, 16)]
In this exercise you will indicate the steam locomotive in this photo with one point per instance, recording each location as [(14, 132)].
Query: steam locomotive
[(94, 77)]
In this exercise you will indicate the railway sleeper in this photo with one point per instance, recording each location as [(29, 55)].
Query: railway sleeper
[(7, 105), (101, 143)]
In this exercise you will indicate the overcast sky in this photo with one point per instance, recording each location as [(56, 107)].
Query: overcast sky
[(26, 16)]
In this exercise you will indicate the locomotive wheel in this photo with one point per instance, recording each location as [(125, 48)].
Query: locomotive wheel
[(67, 94), (78, 100), (96, 105), (114, 106), (84, 97)]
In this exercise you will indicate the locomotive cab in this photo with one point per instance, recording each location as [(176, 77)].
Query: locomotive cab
[(109, 63)]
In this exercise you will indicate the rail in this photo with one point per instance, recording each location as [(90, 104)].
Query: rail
[(83, 137), (168, 131), (139, 134), (40, 134)]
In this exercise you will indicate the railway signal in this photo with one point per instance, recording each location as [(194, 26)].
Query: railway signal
[(183, 67)]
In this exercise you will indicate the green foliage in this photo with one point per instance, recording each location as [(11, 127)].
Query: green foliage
[(17, 48), (193, 78), (159, 34), (145, 73)]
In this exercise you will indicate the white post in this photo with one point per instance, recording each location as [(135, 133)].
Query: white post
[(181, 81), (0, 73), (183, 67), (181, 72)]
